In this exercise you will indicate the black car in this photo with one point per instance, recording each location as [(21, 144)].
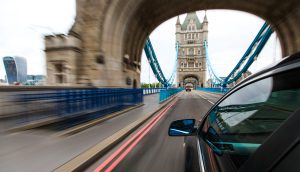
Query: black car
[(255, 127)]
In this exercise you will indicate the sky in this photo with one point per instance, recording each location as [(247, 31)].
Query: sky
[(23, 24), (229, 35)]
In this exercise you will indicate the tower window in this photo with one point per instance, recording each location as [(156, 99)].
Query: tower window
[(59, 68), (191, 51), (199, 52)]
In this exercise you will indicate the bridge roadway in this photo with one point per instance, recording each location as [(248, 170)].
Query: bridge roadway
[(156, 151), (42, 150)]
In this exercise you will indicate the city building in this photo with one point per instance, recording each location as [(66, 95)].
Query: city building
[(35, 80), (16, 69), (191, 66)]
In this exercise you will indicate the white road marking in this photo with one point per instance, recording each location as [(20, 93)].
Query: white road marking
[(205, 99), (210, 101)]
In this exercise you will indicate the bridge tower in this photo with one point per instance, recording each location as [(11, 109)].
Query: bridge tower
[(191, 66)]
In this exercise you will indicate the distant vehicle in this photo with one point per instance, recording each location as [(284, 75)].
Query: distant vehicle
[(188, 88), (254, 127)]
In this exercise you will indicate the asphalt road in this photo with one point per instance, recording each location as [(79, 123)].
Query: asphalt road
[(159, 152), (40, 150)]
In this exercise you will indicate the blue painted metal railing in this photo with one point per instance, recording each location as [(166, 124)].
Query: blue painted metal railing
[(26, 104), (215, 90), (245, 62), (165, 94), (147, 91)]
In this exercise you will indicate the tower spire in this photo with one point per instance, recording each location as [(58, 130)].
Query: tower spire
[(205, 17), (178, 21)]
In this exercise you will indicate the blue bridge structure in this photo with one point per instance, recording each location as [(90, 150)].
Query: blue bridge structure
[(241, 67)]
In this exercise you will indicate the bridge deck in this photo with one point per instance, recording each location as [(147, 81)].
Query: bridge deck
[(43, 150), (157, 151)]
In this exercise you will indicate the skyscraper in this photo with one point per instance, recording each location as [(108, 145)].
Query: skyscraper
[(16, 69)]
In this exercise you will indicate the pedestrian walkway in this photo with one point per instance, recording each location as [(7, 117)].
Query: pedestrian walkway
[(42, 150)]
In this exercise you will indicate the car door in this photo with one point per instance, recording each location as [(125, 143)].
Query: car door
[(238, 125)]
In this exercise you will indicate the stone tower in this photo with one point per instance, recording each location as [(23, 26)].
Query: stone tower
[(191, 66)]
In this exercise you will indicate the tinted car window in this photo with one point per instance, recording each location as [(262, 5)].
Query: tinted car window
[(237, 126)]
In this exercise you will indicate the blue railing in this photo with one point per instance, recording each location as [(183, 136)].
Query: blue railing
[(165, 94), (27, 104), (215, 90), (148, 91)]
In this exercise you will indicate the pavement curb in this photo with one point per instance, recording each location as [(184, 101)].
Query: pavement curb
[(83, 160), (92, 123), (51, 120), (34, 124)]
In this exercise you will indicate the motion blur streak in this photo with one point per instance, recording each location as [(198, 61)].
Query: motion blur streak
[(138, 136), (25, 105)]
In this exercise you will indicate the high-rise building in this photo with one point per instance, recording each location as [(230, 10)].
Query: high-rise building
[(16, 69), (191, 66)]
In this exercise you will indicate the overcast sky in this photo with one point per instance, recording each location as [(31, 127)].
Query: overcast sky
[(229, 35), (23, 23)]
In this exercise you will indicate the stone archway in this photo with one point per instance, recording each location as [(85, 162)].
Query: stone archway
[(116, 30), (193, 80)]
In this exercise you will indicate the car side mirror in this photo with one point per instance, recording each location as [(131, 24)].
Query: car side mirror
[(184, 127)]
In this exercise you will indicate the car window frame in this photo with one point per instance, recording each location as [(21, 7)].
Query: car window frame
[(268, 73), (275, 156)]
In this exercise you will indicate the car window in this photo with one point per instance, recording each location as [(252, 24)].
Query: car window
[(237, 126)]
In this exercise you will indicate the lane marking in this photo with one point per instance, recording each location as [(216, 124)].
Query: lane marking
[(205, 99), (210, 101), (122, 156), (137, 136)]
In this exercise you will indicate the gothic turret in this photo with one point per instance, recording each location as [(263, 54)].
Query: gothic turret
[(205, 27)]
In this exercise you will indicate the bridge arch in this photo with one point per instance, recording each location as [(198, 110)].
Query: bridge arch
[(117, 30), (134, 20), (191, 79)]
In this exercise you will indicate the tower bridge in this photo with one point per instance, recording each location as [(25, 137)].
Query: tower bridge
[(107, 38), (94, 116)]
